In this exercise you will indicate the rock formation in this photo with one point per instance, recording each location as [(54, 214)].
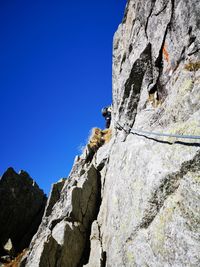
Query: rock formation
[(135, 202), (22, 205)]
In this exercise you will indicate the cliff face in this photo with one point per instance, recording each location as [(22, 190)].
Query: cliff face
[(135, 202), (22, 205)]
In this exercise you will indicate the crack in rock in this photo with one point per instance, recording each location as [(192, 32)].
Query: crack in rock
[(168, 186)]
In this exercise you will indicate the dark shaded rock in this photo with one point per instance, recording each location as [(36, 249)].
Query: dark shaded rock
[(22, 205)]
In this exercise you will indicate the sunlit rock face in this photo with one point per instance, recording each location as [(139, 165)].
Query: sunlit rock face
[(135, 202)]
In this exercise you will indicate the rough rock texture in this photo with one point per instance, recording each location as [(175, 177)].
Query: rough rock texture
[(138, 195), (22, 205), (63, 236)]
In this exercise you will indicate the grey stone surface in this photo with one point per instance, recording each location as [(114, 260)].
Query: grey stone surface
[(97, 255), (63, 236), (139, 193), (22, 205), (54, 196), (149, 215)]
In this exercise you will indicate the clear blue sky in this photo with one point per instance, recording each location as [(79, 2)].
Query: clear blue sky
[(55, 76)]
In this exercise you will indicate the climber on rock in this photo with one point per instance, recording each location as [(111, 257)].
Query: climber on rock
[(106, 113)]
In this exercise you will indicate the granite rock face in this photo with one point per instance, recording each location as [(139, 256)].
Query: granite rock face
[(64, 234), (135, 202), (22, 205)]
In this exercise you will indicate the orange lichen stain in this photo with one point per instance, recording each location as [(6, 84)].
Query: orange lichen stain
[(165, 53)]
